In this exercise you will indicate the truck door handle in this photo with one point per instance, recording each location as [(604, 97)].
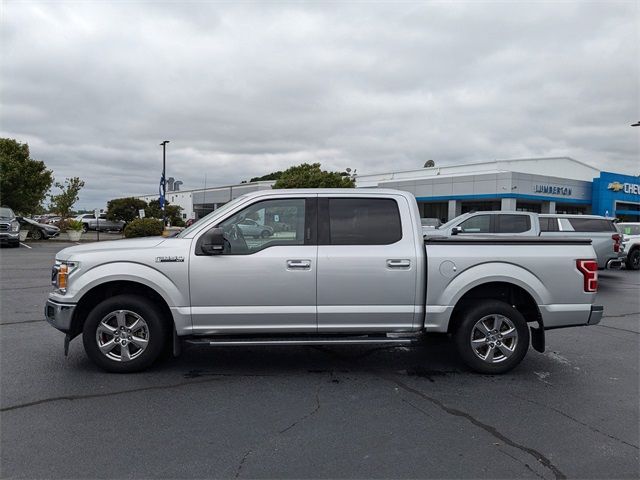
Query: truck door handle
[(398, 263), (299, 264)]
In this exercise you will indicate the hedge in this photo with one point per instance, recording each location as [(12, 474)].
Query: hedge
[(144, 227)]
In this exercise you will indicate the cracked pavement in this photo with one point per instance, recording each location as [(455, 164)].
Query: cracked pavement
[(326, 412)]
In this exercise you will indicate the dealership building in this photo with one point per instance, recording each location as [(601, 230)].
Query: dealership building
[(543, 185)]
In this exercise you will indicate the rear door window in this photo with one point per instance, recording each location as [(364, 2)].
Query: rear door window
[(364, 221), (477, 224), (592, 225), (548, 224), (512, 223)]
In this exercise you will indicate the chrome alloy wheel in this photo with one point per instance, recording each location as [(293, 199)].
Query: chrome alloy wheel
[(494, 338), (122, 335)]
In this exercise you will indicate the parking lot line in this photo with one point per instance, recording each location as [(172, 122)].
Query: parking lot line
[(25, 245)]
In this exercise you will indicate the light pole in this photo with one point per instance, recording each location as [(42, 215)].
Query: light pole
[(163, 182)]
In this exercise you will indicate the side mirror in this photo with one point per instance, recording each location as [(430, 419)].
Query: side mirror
[(213, 242), (456, 230)]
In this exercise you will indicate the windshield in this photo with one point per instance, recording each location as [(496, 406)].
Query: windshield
[(629, 228), (430, 222), (6, 212), (196, 225), (450, 223)]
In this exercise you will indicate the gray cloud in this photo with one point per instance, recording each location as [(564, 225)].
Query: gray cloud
[(242, 89)]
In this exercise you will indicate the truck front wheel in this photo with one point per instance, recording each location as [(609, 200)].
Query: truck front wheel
[(493, 337), (124, 334)]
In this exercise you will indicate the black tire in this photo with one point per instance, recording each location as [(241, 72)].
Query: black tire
[(156, 334), (487, 310), (265, 234), (37, 234), (633, 260), (85, 228)]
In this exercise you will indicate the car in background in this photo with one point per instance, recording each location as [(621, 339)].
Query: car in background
[(37, 230), (630, 243), (51, 220), (9, 227), (430, 223), (605, 238), (496, 222), (251, 228), (90, 222)]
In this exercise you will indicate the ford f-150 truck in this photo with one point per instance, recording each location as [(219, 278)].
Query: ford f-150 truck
[(352, 268)]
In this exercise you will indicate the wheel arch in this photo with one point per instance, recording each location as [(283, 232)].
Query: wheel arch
[(102, 291), (515, 295)]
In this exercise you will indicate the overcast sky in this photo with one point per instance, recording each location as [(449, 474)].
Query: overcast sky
[(243, 89)]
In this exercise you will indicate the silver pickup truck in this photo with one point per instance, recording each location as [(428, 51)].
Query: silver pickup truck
[(352, 268)]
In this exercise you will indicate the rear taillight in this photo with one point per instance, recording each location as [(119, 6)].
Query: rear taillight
[(589, 270), (616, 242)]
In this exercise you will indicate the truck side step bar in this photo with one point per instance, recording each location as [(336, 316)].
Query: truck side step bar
[(342, 340)]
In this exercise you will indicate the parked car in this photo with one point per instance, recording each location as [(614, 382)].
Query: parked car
[(52, 220), (498, 222), (430, 223), (251, 228), (356, 270), (601, 230), (606, 240), (38, 231), (9, 227), (90, 222), (630, 244)]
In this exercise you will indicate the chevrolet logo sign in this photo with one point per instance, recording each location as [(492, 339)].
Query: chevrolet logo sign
[(615, 186)]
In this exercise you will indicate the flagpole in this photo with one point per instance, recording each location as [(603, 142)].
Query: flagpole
[(164, 182)]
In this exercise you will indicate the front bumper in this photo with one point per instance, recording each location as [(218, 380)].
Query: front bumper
[(59, 315), (10, 236), (596, 314)]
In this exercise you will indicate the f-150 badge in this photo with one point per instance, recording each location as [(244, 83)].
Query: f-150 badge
[(169, 259)]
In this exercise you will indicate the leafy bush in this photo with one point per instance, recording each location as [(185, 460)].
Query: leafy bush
[(143, 227), (74, 225)]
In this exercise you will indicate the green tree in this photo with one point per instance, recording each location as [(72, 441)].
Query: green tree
[(172, 211), (269, 176), (24, 182), (125, 208), (62, 203), (312, 176)]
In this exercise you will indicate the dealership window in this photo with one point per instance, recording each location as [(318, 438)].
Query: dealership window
[(480, 206), (364, 221), (571, 209), (529, 207), (439, 210)]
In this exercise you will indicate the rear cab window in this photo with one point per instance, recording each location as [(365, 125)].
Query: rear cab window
[(512, 223), (363, 221), (592, 225)]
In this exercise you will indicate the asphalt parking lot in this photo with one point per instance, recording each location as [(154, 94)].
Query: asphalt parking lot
[(303, 412)]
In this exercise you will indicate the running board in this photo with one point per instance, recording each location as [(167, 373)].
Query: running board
[(226, 342)]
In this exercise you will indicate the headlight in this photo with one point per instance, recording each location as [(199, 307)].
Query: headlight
[(60, 275), (15, 226)]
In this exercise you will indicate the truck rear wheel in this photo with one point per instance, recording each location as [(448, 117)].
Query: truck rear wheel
[(493, 337), (633, 259), (124, 334)]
